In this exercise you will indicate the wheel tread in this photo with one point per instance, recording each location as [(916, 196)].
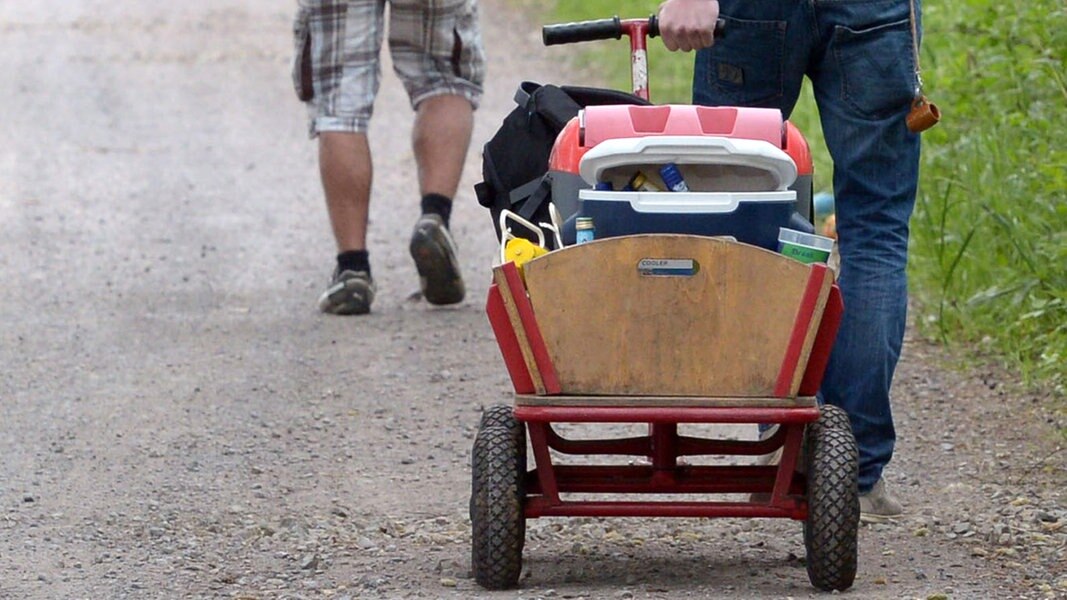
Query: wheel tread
[(832, 528), (497, 520)]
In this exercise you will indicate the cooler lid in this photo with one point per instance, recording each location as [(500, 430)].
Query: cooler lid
[(610, 121), (690, 150)]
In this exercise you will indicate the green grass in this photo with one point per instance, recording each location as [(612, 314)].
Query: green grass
[(990, 231), (989, 235)]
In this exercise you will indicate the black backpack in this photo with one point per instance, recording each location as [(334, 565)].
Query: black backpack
[(515, 161)]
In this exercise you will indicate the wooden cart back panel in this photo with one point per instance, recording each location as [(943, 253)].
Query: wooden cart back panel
[(676, 315)]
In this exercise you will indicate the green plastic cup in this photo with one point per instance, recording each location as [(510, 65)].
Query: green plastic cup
[(805, 247)]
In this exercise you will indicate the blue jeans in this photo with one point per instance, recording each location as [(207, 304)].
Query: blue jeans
[(858, 56)]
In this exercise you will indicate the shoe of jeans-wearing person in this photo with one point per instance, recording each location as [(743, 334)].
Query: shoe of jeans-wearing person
[(434, 253), (878, 505), (349, 293)]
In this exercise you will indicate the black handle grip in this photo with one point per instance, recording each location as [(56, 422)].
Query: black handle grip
[(582, 31), (653, 27)]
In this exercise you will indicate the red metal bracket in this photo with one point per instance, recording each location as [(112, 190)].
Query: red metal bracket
[(806, 312), (508, 342)]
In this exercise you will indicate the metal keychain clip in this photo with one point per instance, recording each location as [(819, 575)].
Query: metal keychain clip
[(923, 114)]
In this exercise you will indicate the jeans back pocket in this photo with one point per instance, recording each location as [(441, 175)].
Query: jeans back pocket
[(877, 68), (745, 68)]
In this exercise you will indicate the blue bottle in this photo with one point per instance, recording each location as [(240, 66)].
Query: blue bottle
[(585, 230), (673, 178)]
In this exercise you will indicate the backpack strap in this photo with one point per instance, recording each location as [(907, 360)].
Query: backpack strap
[(540, 193), (524, 91), (524, 191)]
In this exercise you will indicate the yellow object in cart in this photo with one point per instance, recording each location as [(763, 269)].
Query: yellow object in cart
[(520, 251)]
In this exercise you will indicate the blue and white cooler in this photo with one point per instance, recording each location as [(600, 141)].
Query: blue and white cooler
[(738, 188)]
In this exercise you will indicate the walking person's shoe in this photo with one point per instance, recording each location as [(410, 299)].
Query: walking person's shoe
[(350, 293), (434, 252), (878, 505)]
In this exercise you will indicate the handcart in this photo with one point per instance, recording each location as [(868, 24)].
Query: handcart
[(666, 329)]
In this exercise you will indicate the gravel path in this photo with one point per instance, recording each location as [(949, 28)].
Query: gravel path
[(179, 422)]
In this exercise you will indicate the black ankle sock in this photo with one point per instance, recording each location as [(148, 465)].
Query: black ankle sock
[(353, 260), (438, 205)]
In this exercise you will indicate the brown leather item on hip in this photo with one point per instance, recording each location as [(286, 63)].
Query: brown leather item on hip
[(923, 115)]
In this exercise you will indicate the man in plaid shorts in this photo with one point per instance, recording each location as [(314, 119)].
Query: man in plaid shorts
[(437, 53)]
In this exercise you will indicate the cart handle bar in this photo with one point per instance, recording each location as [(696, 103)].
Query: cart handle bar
[(612, 29), (607, 29)]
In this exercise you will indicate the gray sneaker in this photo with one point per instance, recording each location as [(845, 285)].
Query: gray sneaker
[(350, 293), (878, 505), (435, 258)]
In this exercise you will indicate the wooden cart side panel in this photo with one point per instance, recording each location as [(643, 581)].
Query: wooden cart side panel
[(824, 343), (508, 342), (512, 311), (535, 340), (805, 328), (612, 328)]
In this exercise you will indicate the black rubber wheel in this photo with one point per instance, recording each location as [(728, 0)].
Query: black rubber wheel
[(834, 417), (499, 415), (831, 530), (503, 415), (498, 525)]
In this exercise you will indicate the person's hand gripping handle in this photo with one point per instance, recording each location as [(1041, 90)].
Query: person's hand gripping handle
[(688, 24)]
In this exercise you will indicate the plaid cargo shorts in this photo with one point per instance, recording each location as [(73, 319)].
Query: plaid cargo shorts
[(435, 45)]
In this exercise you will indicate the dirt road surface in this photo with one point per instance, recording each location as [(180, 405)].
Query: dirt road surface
[(178, 421)]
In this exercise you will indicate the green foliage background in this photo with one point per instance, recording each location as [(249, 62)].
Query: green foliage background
[(989, 236)]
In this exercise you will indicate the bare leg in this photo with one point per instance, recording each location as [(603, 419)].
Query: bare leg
[(345, 167), (441, 137)]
